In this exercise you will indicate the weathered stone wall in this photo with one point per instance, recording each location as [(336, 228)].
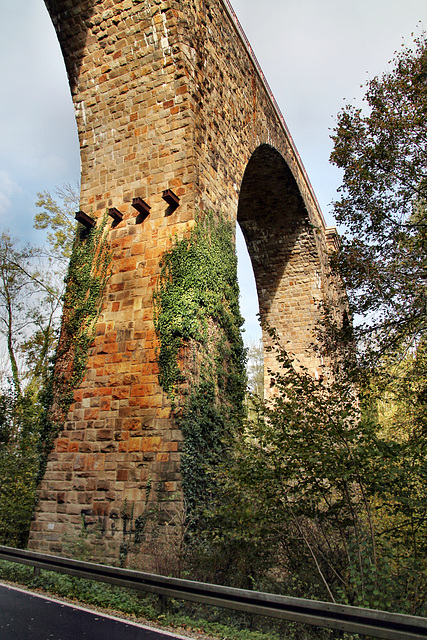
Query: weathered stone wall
[(166, 95)]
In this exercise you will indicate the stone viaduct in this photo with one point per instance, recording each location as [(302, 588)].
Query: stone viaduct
[(169, 95)]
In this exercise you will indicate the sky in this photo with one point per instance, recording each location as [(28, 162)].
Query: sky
[(315, 54)]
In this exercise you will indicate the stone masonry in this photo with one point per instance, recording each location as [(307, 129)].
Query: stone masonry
[(168, 95)]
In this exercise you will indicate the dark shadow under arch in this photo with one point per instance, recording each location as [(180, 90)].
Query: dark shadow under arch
[(282, 247)]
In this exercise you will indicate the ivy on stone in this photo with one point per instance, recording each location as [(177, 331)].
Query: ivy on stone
[(201, 356), (87, 277)]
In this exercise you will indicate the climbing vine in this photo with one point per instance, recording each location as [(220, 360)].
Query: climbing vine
[(88, 274), (201, 356)]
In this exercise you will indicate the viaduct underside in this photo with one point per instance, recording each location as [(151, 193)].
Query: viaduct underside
[(168, 96)]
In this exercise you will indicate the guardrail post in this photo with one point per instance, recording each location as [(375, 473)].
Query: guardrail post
[(163, 601)]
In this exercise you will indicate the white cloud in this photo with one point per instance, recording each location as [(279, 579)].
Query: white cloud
[(38, 134), (7, 188)]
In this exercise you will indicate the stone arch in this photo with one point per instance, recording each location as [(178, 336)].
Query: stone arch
[(282, 246)]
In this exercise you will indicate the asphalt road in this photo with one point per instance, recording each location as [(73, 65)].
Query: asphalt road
[(25, 616)]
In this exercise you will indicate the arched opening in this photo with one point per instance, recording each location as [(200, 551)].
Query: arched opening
[(282, 248), (249, 306), (249, 309)]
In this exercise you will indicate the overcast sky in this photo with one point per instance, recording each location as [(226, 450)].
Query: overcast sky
[(315, 55)]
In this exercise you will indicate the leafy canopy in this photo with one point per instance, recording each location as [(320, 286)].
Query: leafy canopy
[(383, 153), (57, 216)]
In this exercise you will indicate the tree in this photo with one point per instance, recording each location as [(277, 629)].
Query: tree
[(29, 315), (255, 367), (32, 286), (56, 215), (59, 218), (18, 464), (31, 293), (30, 300), (383, 152)]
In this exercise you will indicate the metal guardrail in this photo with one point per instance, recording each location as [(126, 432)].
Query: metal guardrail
[(377, 624)]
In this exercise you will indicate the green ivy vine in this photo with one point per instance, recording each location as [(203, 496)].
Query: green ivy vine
[(87, 277), (201, 356)]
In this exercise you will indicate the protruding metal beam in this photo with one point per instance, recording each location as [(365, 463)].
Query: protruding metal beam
[(142, 207), (115, 214), (85, 220), (171, 198)]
